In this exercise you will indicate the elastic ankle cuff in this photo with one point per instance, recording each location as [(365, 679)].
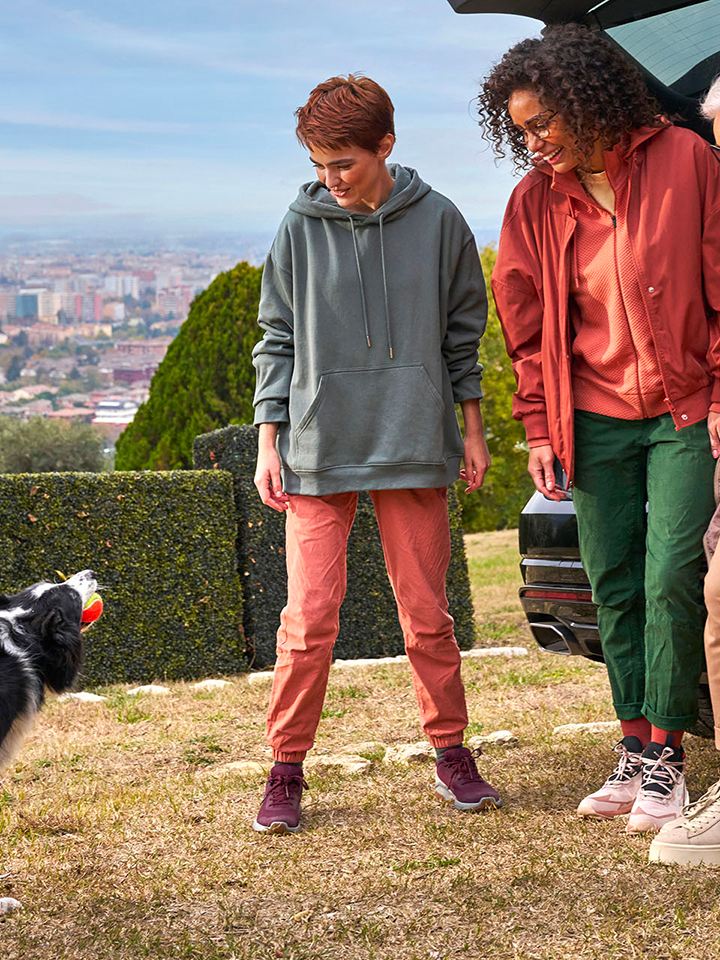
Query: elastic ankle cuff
[(449, 740), (279, 756)]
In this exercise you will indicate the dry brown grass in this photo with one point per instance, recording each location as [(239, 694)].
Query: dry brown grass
[(122, 847)]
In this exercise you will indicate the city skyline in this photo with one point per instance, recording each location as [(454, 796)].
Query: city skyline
[(179, 117)]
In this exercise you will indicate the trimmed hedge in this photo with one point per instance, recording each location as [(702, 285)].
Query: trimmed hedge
[(163, 548), (368, 620)]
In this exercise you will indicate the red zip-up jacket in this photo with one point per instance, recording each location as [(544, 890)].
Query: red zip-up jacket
[(673, 218)]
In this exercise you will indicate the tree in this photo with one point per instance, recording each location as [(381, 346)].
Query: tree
[(15, 368), (206, 379), (39, 445), (507, 484)]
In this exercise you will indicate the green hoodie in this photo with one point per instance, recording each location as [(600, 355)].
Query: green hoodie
[(372, 324)]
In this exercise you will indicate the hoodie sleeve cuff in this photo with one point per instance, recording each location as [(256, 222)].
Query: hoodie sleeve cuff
[(271, 411)]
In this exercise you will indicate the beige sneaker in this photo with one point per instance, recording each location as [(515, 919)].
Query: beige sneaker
[(695, 837), (617, 795), (662, 795)]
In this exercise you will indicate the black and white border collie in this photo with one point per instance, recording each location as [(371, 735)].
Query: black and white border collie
[(40, 646)]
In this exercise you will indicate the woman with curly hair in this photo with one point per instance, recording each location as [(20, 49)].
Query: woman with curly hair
[(608, 288)]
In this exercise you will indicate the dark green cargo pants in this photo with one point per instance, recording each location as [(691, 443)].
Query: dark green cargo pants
[(645, 565)]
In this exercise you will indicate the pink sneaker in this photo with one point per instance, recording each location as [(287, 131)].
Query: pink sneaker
[(662, 794), (280, 809), (617, 795)]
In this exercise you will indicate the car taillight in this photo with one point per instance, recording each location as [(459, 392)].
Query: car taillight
[(538, 593)]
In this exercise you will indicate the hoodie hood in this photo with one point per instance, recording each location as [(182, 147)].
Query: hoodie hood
[(315, 200)]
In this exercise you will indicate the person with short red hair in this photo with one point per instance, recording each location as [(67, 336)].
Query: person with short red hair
[(373, 304)]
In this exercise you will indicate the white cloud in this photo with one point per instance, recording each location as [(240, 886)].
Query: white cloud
[(31, 207), (68, 121)]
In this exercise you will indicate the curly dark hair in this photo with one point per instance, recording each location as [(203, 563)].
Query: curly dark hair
[(578, 73)]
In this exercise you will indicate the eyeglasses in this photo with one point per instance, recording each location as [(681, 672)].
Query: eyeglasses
[(538, 126)]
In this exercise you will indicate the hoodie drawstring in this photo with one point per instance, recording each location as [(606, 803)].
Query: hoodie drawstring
[(362, 287), (385, 289), (360, 280)]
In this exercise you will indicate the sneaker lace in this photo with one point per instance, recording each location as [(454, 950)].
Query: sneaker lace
[(280, 789), (628, 765), (704, 803), (463, 765), (660, 774)]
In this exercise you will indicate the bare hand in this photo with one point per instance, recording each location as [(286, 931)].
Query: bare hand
[(713, 425), (541, 468), (476, 460), (268, 480)]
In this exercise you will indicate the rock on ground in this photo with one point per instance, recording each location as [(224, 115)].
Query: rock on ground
[(83, 696), (152, 689), (9, 905), (407, 753), (505, 738), (211, 684), (493, 652), (338, 763), (260, 676)]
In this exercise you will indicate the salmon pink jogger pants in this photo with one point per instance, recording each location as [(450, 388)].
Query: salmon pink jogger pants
[(415, 535)]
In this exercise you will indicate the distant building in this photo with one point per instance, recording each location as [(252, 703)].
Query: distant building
[(26, 304), (112, 416), (155, 348), (114, 311), (43, 334), (134, 374), (92, 306), (8, 301), (77, 414), (175, 301), (122, 285)]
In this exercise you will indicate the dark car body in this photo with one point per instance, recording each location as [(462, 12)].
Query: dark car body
[(677, 46)]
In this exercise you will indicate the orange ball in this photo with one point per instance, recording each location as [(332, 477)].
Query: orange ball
[(93, 609)]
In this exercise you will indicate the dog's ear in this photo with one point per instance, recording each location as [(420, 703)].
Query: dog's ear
[(61, 650), (5, 601)]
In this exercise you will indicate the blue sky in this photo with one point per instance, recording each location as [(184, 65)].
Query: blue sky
[(179, 114)]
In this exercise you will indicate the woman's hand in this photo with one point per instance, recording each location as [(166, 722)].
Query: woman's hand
[(541, 465), (476, 456), (713, 425), (476, 460), (268, 479)]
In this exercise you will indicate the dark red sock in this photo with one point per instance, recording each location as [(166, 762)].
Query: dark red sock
[(638, 727), (671, 738)]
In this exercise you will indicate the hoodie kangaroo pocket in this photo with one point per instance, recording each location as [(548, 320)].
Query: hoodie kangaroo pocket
[(379, 416)]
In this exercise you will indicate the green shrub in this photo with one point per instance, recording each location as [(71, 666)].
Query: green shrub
[(368, 620), (40, 445), (206, 379), (163, 548), (507, 485)]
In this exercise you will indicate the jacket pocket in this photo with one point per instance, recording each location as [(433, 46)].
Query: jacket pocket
[(379, 416)]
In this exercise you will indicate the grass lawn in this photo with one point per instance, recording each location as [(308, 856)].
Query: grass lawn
[(122, 843)]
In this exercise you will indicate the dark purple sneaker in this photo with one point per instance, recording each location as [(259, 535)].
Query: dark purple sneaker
[(280, 809), (458, 781)]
